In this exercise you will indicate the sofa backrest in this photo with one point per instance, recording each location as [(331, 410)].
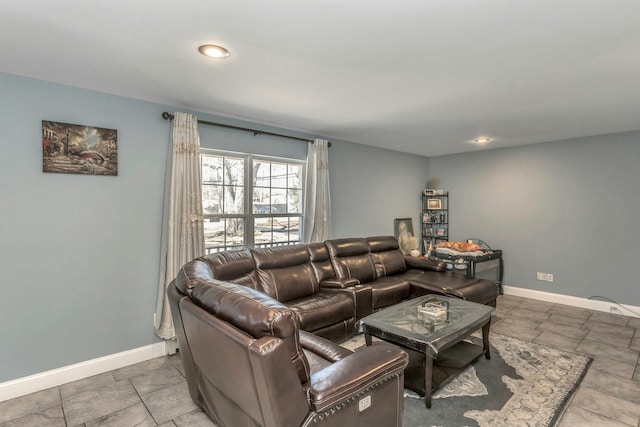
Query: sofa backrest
[(386, 255), (285, 272), (351, 258), (236, 266), (255, 314), (320, 261)]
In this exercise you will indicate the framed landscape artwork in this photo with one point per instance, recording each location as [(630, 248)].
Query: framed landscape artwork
[(87, 150)]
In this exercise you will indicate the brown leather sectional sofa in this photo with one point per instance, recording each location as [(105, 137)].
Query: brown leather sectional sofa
[(256, 330)]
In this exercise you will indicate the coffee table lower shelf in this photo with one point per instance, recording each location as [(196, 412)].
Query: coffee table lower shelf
[(449, 364)]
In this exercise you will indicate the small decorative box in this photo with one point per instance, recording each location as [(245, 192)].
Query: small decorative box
[(432, 311)]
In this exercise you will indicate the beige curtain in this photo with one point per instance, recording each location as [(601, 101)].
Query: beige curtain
[(317, 205), (182, 234)]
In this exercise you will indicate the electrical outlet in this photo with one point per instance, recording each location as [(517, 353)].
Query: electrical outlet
[(545, 277)]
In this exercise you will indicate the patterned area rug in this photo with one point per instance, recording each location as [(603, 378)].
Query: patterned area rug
[(523, 384)]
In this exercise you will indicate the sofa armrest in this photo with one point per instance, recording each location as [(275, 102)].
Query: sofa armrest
[(421, 263), (323, 347), (362, 296), (356, 374), (334, 283)]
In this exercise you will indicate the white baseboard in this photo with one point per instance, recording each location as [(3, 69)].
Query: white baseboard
[(55, 377), (625, 309)]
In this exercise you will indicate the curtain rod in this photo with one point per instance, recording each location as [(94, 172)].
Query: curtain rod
[(168, 116)]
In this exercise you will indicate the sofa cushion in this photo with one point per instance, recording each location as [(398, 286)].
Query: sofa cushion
[(481, 291), (285, 272), (387, 291), (320, 261), (255, 313), (351, 258), (386, 255), (322, 309)]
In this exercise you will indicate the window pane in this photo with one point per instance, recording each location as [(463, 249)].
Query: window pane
[(233, 171), (262, 231), (235, 232), (295, 176), (211, 199), (261, 201), (280, 230), (211, 170), (278, 175), (213, 234), (233, 200), (261, 173), (294, 201), (278, 200), (294, 229)]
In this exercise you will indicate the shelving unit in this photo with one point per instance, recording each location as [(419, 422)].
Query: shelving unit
[(435, 217)]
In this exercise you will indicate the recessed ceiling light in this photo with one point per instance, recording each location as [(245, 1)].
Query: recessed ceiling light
[(213, 51), (482, 140)]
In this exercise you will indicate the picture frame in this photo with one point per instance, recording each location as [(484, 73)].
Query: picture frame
[(428, 231), (441, 232), (403, 230), (434, 204), (79, 149)]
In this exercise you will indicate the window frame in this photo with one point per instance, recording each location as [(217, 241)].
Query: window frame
[(249, 216)]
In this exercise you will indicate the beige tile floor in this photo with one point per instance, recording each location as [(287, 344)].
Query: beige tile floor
[(154, 393)]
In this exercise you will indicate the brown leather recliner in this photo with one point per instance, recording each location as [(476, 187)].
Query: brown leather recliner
[(330, 283), (351, 257), (285, 273), (250, 365)]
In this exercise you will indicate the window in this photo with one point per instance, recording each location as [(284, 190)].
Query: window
[(250, 201)]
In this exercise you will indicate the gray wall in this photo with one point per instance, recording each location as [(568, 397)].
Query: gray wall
[(370, 187), (79, 254), (569, 208)]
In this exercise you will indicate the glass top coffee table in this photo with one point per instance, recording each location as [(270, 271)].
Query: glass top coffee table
[(436, 346)]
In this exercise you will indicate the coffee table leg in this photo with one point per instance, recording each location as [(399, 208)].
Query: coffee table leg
[(367, 339), (428, 373), (485, 339)]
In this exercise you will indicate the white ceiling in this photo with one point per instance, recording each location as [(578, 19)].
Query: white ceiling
[(419, 76)]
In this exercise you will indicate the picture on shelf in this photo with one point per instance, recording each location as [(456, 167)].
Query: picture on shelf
[(434, 204), (425, 218), (441, 232), (428, 231)]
